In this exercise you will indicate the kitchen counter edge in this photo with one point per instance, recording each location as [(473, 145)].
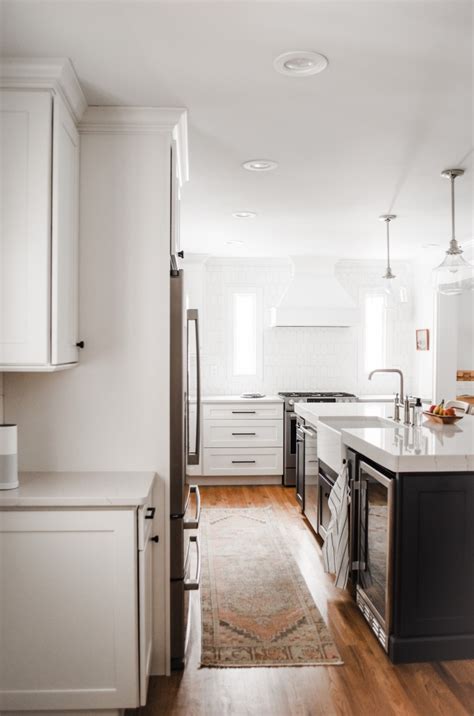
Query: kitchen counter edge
[(80, 489)]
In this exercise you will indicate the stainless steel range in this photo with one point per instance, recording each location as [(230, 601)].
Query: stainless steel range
[(289, 463)]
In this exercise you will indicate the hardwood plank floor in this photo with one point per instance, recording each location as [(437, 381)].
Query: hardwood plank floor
[(367, 683)]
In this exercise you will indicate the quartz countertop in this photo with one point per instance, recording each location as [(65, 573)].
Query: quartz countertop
[(80, 489), (239, 399), (432, 447), (368, 398)]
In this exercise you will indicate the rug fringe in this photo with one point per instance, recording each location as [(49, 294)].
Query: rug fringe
[(277, 665)]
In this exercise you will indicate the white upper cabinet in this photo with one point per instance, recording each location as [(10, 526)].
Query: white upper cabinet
[(25, 227), (65, 235), (39, 200)]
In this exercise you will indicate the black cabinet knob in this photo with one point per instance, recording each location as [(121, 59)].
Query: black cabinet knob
[(155, 538), (181, 254), (80, 344)]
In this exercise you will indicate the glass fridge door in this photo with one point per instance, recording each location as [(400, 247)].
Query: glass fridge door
[(375, 542)]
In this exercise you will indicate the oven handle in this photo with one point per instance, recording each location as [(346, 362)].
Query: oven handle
[(308, 431)]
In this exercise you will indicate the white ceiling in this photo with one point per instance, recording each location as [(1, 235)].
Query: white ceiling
[(369, 135)]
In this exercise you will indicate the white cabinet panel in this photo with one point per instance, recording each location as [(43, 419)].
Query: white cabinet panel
[(25, 227), (145, 587), (69, 604), (242, 461), (248, 434), (65, 237), (39, 232), (242, 411)]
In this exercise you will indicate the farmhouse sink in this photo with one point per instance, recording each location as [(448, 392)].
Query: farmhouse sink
[(342, 422)]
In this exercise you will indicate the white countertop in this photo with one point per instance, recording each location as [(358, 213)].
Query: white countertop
[(368, 398), (238, 399), (80, 489), (432, 447)]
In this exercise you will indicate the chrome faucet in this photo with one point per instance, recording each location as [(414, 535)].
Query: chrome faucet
[(399, 398), (391, 370)]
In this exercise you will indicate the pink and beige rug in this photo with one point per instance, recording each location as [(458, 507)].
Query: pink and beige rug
[(256, 607)]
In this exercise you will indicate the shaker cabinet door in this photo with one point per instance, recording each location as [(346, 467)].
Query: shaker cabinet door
[(65, 237), (68, 617), (25, 227)]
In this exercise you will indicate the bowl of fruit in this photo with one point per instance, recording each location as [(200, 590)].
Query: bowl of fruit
[(440, 414)]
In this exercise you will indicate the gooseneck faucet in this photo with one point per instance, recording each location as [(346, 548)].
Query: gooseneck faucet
[(391, 370), (399, 398)]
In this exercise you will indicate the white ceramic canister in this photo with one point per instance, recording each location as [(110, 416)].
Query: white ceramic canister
[(8, 457)]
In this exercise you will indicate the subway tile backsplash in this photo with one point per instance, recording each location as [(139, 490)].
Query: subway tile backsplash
[(299, 358)]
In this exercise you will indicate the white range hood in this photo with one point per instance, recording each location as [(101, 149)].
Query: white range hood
[(314, 296)]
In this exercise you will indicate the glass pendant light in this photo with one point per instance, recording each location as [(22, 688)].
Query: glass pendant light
[(454, 274), (395, 292)]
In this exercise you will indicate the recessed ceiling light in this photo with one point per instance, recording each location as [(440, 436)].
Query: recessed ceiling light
[(235, 243), (430, 246), (260, 165), (300, 63), (244, 214)]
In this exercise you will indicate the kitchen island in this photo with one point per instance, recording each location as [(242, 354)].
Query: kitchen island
[(411, 528)]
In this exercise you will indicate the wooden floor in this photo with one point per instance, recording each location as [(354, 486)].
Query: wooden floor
[(366, 685)]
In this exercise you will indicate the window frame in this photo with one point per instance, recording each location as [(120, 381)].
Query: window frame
[(374, 292), (258, 293)]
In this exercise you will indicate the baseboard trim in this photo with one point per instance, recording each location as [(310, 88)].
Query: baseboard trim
[(223, 480), (431, 648)]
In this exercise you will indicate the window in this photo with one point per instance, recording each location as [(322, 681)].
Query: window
[(245, 309), (375, 331)]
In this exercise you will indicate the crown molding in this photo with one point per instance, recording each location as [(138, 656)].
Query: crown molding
[(142, 120), (51, 73)]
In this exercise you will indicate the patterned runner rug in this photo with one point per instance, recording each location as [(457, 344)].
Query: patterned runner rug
[(256, 607)]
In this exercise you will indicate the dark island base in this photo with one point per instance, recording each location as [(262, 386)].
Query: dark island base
[(435, 648)]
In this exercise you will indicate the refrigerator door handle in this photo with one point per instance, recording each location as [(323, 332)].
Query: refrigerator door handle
[(194, 523), (194, 457), (194, 583)]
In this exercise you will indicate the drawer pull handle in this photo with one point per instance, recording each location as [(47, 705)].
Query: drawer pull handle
[(243, 461), (150, 513), (244, 433), (244, 412)]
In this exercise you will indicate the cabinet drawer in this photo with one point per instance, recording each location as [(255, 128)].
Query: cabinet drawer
[(241, 461), (239, 433), (242, 411)]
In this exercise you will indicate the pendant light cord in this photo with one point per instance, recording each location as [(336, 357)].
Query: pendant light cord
[(389, 268), (454, 247)]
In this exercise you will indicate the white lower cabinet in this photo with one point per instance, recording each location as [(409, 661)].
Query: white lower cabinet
[(242, 461), (243, 439), (75, 620), (238, 433)]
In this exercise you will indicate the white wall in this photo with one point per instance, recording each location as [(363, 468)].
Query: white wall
[(299, 358), (112, 411), (1, 397), (424, 317)]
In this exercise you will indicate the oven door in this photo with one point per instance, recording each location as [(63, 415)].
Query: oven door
[(300, 450), (375, 550), (289, 478), (326, 481), (311, 497)]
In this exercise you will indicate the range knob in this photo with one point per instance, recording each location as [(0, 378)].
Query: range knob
[(291, 401)]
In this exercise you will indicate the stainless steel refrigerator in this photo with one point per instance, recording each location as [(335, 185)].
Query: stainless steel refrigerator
[(185, 440)]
